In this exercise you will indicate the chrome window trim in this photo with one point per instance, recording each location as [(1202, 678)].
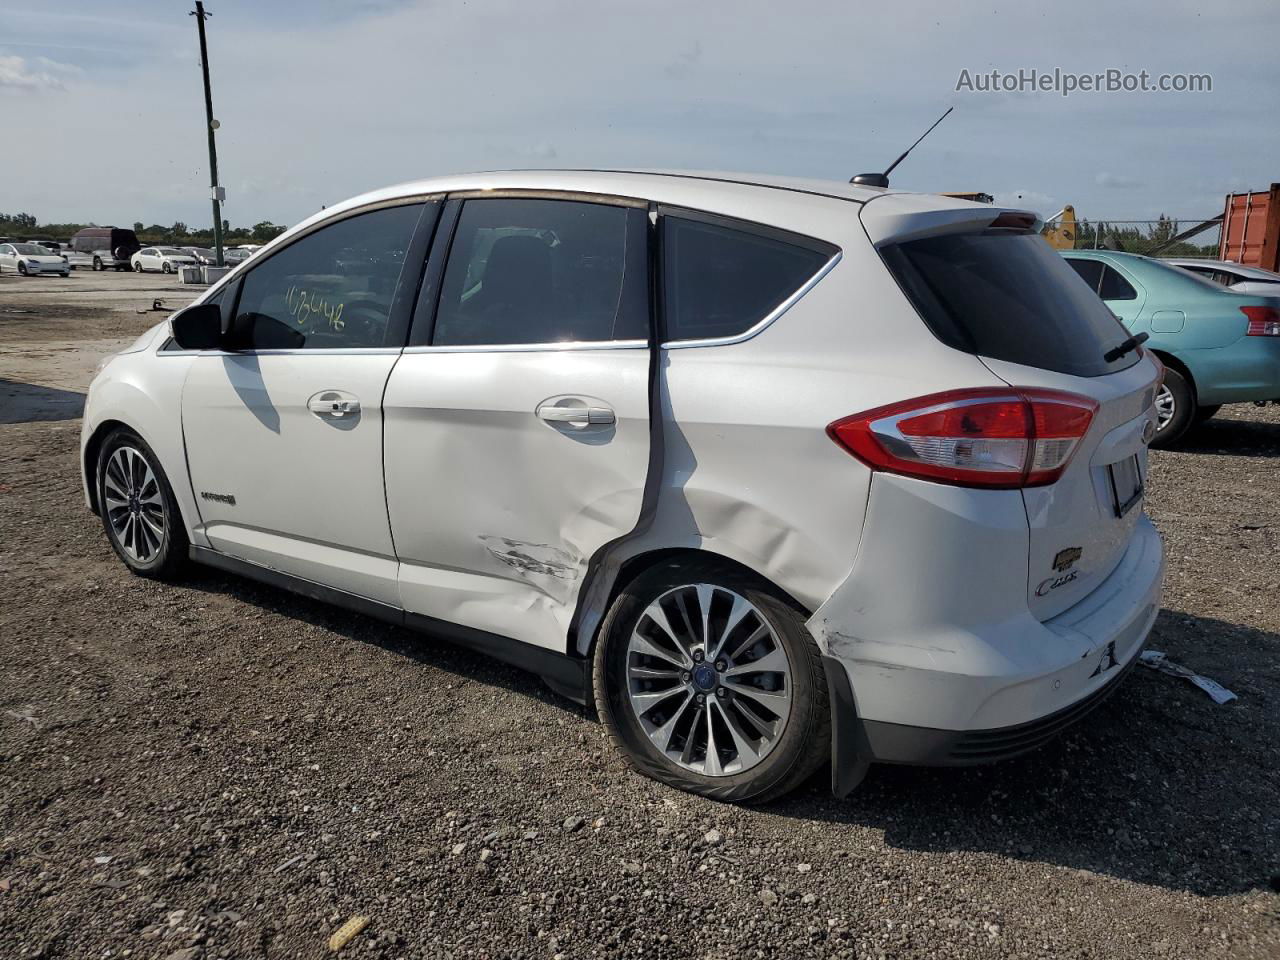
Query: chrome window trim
[(280, 352), (533, 193), (765, 321), (552, 347)]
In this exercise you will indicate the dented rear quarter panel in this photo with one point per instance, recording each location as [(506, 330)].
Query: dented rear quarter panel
[(749, 471)]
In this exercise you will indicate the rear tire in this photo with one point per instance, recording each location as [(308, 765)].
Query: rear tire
[(1206, 413), (139, 511), (762, 748), (1175, 409), (97, 264), (137, 268), (166, 268)]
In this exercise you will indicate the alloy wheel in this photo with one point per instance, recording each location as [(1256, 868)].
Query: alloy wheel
[(1166, 406), (708, 679), (134, 505)]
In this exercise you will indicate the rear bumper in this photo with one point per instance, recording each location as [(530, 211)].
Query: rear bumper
[(980, 698), (897, 743)]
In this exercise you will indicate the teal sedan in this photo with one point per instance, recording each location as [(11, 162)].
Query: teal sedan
[(1217, 346)]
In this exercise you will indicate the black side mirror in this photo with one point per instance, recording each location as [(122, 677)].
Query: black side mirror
[(265, 332), (198, 327)]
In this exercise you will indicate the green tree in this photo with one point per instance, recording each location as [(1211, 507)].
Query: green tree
[(137, 226), (266, 230), (179, 229)]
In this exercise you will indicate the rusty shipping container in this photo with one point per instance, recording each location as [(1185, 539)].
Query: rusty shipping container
[(1251, 229)]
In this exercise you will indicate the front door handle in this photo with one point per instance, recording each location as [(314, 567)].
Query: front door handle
[(575, 412), (333, 404)]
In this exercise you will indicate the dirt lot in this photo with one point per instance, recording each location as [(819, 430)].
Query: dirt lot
[(221, 769)]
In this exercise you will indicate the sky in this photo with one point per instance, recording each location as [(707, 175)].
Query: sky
[(102, 113)]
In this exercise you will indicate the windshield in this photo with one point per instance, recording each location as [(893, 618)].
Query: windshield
[(170, 252), (32, 249), (1008, 296)]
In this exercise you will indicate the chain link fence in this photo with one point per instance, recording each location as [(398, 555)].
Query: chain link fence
[(1159, 237)]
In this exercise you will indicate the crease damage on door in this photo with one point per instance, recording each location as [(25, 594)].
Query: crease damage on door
[(535, 558)]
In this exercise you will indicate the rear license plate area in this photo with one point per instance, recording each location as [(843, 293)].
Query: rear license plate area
[(1125, 477)]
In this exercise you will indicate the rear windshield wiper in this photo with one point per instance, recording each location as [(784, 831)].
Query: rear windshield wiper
[(1115, 353)]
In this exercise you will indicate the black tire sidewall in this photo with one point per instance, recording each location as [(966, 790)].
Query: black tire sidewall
[(1184, 410), (809, 717), (171, 556)]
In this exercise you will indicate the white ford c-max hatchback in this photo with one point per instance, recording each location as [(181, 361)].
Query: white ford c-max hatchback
[(774, 471)]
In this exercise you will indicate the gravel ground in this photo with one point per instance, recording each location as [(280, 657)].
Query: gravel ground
[(220, 769)]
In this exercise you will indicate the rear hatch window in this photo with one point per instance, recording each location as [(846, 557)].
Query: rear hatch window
[(1009, 296)]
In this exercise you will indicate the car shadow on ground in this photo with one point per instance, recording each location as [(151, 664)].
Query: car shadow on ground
[(1159, 785), (423, 648), (1224, 436), (27, 402)]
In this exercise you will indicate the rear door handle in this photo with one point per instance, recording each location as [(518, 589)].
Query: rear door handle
[(333, 404), (575, 412)]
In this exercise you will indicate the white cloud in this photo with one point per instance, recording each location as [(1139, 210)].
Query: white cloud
[(39, 73)]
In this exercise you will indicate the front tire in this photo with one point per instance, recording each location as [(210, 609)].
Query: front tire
[(1175, 409), (708, 681), (22, 269), (138, 508), (97, 264)]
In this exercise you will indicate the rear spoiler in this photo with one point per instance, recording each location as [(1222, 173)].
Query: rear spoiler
[(898, 217)]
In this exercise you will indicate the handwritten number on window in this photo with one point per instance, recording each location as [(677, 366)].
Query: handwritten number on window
[(303, 303)]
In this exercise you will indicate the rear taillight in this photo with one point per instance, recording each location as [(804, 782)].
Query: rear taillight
[(1002, 438), (1263, 321)]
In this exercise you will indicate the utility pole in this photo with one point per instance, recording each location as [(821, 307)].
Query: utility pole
[(216, 192)]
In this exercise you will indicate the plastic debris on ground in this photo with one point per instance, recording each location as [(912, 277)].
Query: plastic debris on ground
[(1157, 660), (347, 932)]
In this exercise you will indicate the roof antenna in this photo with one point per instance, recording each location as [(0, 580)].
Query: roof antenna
[(882, 179)]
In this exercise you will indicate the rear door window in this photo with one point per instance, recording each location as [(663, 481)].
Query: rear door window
[(1090, 271), (1009, 296), (1116, 287), (720, 279), (537, 271)]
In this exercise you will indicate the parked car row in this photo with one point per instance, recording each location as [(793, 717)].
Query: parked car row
[(231, 256), (1219, 344), (777, 473), (111, 248)]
